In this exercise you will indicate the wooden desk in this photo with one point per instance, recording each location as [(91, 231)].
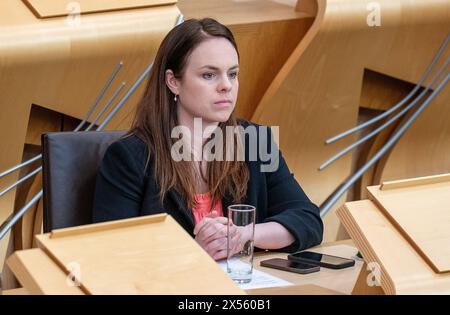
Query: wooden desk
[(19, 291), (131, 256), (326, 281)]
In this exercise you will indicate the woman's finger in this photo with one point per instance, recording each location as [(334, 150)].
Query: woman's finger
[(221, 232), (208, 220), (216, 245), (221, 254), (210, 230), (201, 224)]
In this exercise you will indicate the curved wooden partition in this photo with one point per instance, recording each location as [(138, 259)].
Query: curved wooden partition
[(345, 63), (60, 65), (266, 32), (57, 79)]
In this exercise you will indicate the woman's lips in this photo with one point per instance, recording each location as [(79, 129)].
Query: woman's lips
[(223, 103)]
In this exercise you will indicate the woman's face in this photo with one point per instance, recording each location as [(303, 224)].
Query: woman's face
[(209, 86)]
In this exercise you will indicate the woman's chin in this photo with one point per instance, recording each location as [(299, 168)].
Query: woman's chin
[(218, 118), (222, 118)]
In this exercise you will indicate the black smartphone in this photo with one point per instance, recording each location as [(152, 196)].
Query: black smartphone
[(287, 265), (323, 260)]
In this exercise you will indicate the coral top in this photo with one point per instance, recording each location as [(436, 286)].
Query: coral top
[(204, 207)]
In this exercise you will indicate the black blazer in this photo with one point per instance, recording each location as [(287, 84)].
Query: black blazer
[(126, 188)]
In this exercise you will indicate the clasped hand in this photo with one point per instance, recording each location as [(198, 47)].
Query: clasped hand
[(211, 234)]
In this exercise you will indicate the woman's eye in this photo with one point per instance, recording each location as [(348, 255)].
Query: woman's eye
[(208, 76), (233, 75)]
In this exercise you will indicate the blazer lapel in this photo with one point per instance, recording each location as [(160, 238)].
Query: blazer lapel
[(182, 206)]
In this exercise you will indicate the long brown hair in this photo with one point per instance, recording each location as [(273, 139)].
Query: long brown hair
[(156, 116)]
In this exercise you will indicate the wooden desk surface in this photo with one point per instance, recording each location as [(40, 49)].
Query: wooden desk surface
[(326, 281)]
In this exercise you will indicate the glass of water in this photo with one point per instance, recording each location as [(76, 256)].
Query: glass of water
[(240, 260)]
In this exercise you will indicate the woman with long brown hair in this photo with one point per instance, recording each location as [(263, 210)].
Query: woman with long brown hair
[(195, 79)]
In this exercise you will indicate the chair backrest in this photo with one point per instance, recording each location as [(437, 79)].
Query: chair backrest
[(70, 163)]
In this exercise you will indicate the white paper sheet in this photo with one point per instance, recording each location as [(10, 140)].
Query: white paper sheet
[(260, 279)]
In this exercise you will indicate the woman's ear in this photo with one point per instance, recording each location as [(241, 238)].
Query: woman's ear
[(172, 83)]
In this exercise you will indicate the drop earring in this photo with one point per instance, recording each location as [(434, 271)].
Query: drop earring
[(175, 98)]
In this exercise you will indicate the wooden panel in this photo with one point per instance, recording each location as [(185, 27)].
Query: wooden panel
[(38, 274), (24, 229), (362, 286), (371, 148), (19, 291), (441, 178), (307, 108), (402, 269), (42, 120), (9, 281), (317, 92), (137, 256), (380, 91), (52, 8), (307, 289), (266, 33), (422, 215), (278, 38), (63, 67), (323, 282), (231, 12)]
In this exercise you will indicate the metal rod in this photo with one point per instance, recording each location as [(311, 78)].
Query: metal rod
[(398, 105), (390, 121), (86, 117), (180, 20), (12, 219), (125, 97), (105, 107), (19, 166), (8, 224), (100, 96), (20, 181), (133, 88), (345, 186)]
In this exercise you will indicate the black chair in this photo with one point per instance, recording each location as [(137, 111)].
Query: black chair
[(70, 163)]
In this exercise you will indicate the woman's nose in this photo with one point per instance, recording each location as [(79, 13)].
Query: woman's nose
[(225, 84)]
